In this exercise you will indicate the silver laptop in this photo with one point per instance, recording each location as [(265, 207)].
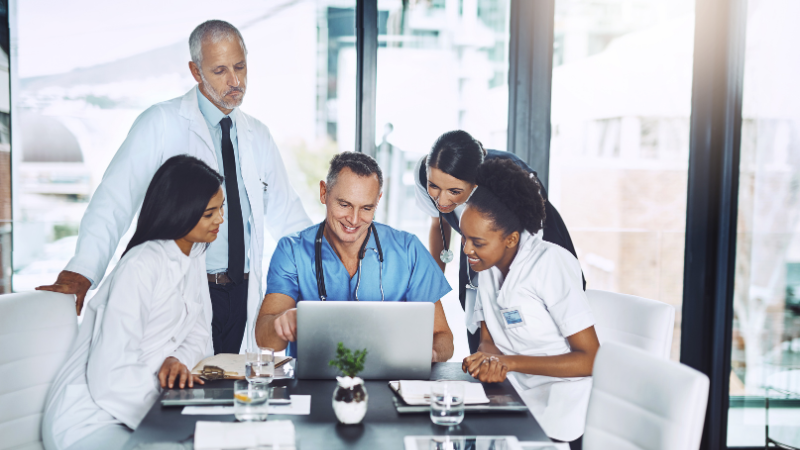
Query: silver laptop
[(398, 337)]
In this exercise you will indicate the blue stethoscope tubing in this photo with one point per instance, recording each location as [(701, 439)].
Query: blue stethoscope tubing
[(323, 294)]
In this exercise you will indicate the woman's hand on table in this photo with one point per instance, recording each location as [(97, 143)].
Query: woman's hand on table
[(173, 370), (485, 367)]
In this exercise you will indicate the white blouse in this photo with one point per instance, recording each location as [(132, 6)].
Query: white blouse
[(155, 304), (532, 312)]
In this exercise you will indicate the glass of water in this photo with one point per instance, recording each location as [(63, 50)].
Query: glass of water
[(250, 401), (260, 365), (447, 403)]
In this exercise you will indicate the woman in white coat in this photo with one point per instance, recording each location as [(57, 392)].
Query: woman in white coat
[(536, 323), (149, 323)]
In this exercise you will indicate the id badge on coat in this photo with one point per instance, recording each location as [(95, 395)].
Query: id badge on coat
[(512, 317)]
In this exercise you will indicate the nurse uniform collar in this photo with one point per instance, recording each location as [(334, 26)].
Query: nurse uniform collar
[(323, 294)]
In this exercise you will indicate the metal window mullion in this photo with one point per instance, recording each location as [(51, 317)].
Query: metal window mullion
[(530, 79), (712, 203), (366, 74)]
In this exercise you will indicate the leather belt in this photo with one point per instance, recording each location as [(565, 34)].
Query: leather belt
[(222, 278)]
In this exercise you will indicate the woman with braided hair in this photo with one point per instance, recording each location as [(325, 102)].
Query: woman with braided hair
[(535, 322)]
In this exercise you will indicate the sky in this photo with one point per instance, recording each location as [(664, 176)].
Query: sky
[(56, 36)]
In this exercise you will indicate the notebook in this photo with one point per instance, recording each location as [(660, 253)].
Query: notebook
[(418, 392), (495, 403), (233, 364)]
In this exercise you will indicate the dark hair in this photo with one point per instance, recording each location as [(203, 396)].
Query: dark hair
[(361, 164), (457, 154), (175, 200), (509, 196)]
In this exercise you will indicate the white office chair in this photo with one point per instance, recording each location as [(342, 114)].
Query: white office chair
[(635, 321), (644, 402), (36, 332)]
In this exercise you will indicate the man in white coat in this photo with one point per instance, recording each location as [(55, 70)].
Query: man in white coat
[(206, 123)]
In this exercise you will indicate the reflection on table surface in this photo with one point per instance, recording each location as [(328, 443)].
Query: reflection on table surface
[(383, 427)]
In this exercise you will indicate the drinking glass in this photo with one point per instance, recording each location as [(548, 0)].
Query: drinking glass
[(260, 365), (447, 403), (251, 401)]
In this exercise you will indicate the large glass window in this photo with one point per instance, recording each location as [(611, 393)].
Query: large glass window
[(88, 68), (442, 65), (621, 99), (765, 358)]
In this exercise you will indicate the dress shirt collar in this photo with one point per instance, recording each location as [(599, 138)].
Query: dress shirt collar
[(210, 112)]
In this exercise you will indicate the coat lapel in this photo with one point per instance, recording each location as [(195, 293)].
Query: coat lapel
[(199, 144)]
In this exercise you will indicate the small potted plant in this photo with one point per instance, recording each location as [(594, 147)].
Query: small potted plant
[(350, 396)]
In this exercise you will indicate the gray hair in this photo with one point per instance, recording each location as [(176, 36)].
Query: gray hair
[(361, 164), (215, 31)]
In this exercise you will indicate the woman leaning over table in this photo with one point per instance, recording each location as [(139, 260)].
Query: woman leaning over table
[(149, 323), (444, 180), (535, 320)]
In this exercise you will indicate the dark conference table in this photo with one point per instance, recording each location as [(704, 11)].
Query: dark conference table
[(382, 428)]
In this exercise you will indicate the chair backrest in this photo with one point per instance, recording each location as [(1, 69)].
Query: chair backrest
[(635, 321), (36, 332), (643, 402)]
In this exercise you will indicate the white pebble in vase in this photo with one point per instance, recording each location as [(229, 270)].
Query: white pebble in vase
[(350, 400)]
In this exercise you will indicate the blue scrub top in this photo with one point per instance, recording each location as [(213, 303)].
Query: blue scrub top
[(409, 272)]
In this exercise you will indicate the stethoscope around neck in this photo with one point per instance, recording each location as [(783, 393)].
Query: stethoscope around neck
[(446, 255), (323, 294)]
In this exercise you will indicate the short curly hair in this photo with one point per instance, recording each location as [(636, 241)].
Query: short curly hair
[(510, 196)]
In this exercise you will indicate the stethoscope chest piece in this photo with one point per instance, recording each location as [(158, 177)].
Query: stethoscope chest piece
[(446, 256)]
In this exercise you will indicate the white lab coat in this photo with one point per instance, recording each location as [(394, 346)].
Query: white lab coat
[(177, 127), (544, 284), (152, 306)]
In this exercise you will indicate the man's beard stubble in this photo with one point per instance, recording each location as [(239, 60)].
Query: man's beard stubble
[(219, 99)]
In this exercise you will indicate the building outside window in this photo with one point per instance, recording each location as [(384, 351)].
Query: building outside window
[(765, 351), (442, 65), (621, 100), (87, 69)]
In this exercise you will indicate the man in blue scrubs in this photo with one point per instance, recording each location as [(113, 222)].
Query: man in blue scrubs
[(350, 195)]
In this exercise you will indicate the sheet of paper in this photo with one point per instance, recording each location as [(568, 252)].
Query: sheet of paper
[(207, 410), (417, 392), (300, 406), (285, 371), (238, 435)]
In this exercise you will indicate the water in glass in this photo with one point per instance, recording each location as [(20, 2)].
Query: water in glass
[(447, 403), (260, 365), (250, 401)]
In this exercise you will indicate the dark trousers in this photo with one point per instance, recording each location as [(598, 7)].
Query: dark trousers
[(229, 303)]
